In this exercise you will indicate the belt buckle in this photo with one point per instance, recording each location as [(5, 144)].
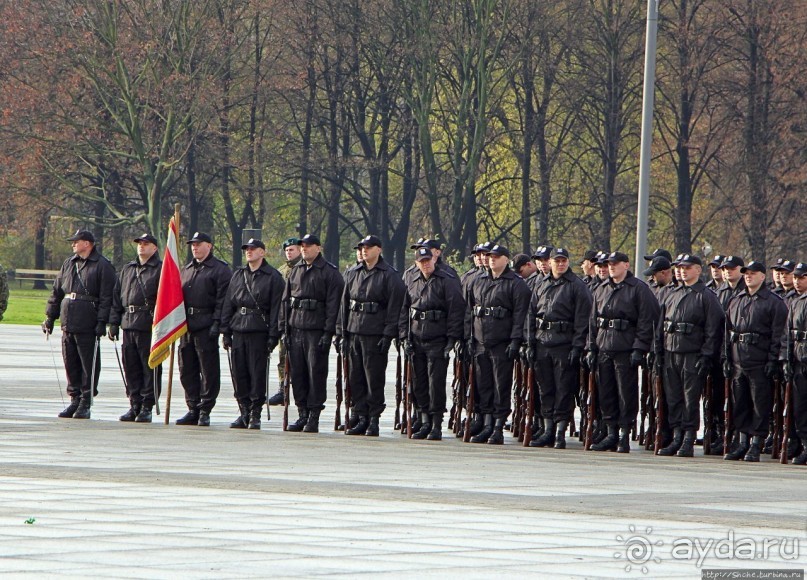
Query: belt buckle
[(487, 310), (243, 311), (611, 323), (71, 296), (191, 310), (131, 309)]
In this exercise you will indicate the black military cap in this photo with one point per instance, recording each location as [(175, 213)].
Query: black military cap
[(418, 244), (519, 260), (370, 240), (146, 238), (601, 258), (291, 242), (800, 270), (200, 237), (618, 257), (590, 255), (732, 262), (784, 265), (423, 253), (85, 235), (659, 252), (559, 253), (717, 260), (754, 266), (658, 264), (498, 250), (483, 247), (690, 260), (677, 260), (253, 243), (310, 240), (425, 243), (542, 252)]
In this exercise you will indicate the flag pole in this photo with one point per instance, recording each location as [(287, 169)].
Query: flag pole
[(173, 346)]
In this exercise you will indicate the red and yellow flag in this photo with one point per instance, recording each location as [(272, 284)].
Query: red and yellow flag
[(169, 313)]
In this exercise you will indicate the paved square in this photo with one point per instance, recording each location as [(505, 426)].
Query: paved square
[(110, 499)]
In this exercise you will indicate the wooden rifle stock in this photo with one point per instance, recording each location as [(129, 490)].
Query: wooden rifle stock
[(337, 421), (530, 401), (455, 397), (787, 418), (708, 417), (592, 410)]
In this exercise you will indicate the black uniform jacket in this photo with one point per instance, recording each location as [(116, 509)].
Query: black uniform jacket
[(433, 308), (82, 293), (135, 295), (692, 321), (371, 301), (204, 285), (559, 312), (253, 300), (756, 324), (623, 316), (312, 296), (496, 308), (794, 341)]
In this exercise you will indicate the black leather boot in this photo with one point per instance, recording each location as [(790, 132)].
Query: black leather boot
[(609, 442), (767, 449), (372, 428), (361, 426), (312, 425), (416, 422), (740, 448), (425, 427), (276, 399), (717, 443), (672, 448), (547, 439), (204, 419), (801, 459), (537, 427), (477, 424), (624, 440), (144, 416), (83, 411), (70, 410), (560, 435), (497, 437), (687, 448), (242, 421), (486, 432), (754, 449), (794, 445), (436, 434), (299, 424), (130, 415), (255, 417), (189, 418)]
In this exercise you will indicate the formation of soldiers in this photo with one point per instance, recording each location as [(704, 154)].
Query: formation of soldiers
[(531, 341)]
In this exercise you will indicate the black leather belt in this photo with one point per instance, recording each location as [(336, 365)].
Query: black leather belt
[(557, 325), (416, 314), (798, 335), (744, 337), (84, 297), (492, 311), (193, 311), (131, 309), (614, 323), (368, 307), (678, 327), (305, 303), (243, 311)]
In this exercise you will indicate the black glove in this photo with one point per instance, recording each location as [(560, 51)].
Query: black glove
[(591, 360), (113, 332), (771, 370), (727, 370), (100, 329), (512, 349), (408, 348), (449, 347), (227, 341), (47, 326), (787, 371), (324, 343), (384, 344), (214, 331), (271, 344), (574, 356), (337, 343), (702, 365), (636, 358)]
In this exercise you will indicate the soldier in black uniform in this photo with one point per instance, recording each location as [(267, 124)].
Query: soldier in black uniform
[(688, 341), (204, 285), (308, 318), (541, 258), (620, 334), (524, 267), (588, 267), (133, 310), (601, 267), (431, 327), (756, 322), (794, 358), (496, 306), (477, 254), (660, 270), (716, 272), (558, 325), (250, 331), (733, 282), (785, 270), (368, 323), (81, 299)]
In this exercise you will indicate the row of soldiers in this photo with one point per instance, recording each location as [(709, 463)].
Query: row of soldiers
[(506, 313)]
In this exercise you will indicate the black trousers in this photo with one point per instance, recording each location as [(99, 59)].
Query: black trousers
[(77, 352), (682, 390), (368, 368), (617, 389), (309, 368), (135, 348), (718, 394), (557, 382), (250, 366), (752, 400), (494, 379), (199, 369), (799, 400), (430, 369)]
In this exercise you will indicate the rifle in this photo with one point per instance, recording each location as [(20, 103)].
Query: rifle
[(286, 387), (530, 411), (727, 410), (518, 373), (459, 370), (397, 424), (658, 388), (469, 398), (408, 380), (337, 421), (592, 410), (455, 384), (777, 419), (581, 403), (708, 417), (787, 413), (643, 400), (346, 379)]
